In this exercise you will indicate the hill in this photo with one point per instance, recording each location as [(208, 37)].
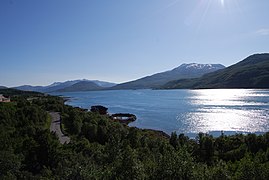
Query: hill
[(3, 87), (252, 72), (30, 88), (16, 92), (192, 70), (60, 86), (81, 86)]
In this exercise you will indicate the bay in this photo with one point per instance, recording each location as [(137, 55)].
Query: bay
[(185, 111)]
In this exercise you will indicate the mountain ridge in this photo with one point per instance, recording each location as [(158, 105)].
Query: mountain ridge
[(185, 70), (82, 86), (58, 86), (251, 72), (190, 70)]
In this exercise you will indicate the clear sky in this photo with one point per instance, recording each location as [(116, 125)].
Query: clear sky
[(43, 41)]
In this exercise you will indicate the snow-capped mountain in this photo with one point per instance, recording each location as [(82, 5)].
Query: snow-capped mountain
[(202, 66), (251, 72), (198, 68), (183, 71)]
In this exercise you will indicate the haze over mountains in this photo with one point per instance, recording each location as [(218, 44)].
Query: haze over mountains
[(252, 72), (74, 85), (154, 81)]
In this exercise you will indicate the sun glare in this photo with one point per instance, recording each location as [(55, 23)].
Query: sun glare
[(222, 2)]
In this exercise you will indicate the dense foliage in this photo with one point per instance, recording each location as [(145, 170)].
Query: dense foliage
[(103, 149)]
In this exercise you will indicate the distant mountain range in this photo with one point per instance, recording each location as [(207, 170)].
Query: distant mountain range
[(75, 85), (252, 72), (154, 81), (184, 71)]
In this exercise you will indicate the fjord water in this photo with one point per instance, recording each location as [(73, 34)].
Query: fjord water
[(185, 111)]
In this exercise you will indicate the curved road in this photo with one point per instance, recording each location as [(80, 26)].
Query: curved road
[(55, 127)]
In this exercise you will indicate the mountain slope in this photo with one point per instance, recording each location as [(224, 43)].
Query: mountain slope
[(81, 86), (183, 71), (252, 72), (104, 84), (59, 85)]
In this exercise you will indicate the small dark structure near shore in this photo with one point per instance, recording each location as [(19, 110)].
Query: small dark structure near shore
[(124, 118), (99, 109)]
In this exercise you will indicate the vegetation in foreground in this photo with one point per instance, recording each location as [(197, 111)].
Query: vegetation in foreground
[(103, 149)]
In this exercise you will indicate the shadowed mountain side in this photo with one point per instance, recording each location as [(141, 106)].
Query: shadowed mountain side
[(252, 72), (192, 70)]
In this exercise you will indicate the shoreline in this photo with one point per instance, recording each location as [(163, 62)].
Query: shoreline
[(214, 133)]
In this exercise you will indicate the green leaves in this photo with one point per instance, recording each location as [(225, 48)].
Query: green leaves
[(104, 149)]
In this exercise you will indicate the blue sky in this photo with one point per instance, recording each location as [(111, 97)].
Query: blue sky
[(56, 40)]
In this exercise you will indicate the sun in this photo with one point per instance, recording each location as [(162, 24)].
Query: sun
[(222, 2)]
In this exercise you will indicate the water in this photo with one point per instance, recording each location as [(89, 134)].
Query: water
[(185, 111)]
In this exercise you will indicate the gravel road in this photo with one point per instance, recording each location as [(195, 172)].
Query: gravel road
[(55, 127)]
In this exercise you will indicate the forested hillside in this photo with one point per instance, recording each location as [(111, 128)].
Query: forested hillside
[(103, 149)]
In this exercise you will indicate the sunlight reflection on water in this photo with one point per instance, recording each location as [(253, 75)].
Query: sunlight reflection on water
[(227, 110)]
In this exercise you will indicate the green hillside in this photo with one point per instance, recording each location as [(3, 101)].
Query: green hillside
[(252, 72), (101, 148)]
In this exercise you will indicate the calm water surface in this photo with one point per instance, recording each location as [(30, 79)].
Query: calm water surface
[(185, 111)]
